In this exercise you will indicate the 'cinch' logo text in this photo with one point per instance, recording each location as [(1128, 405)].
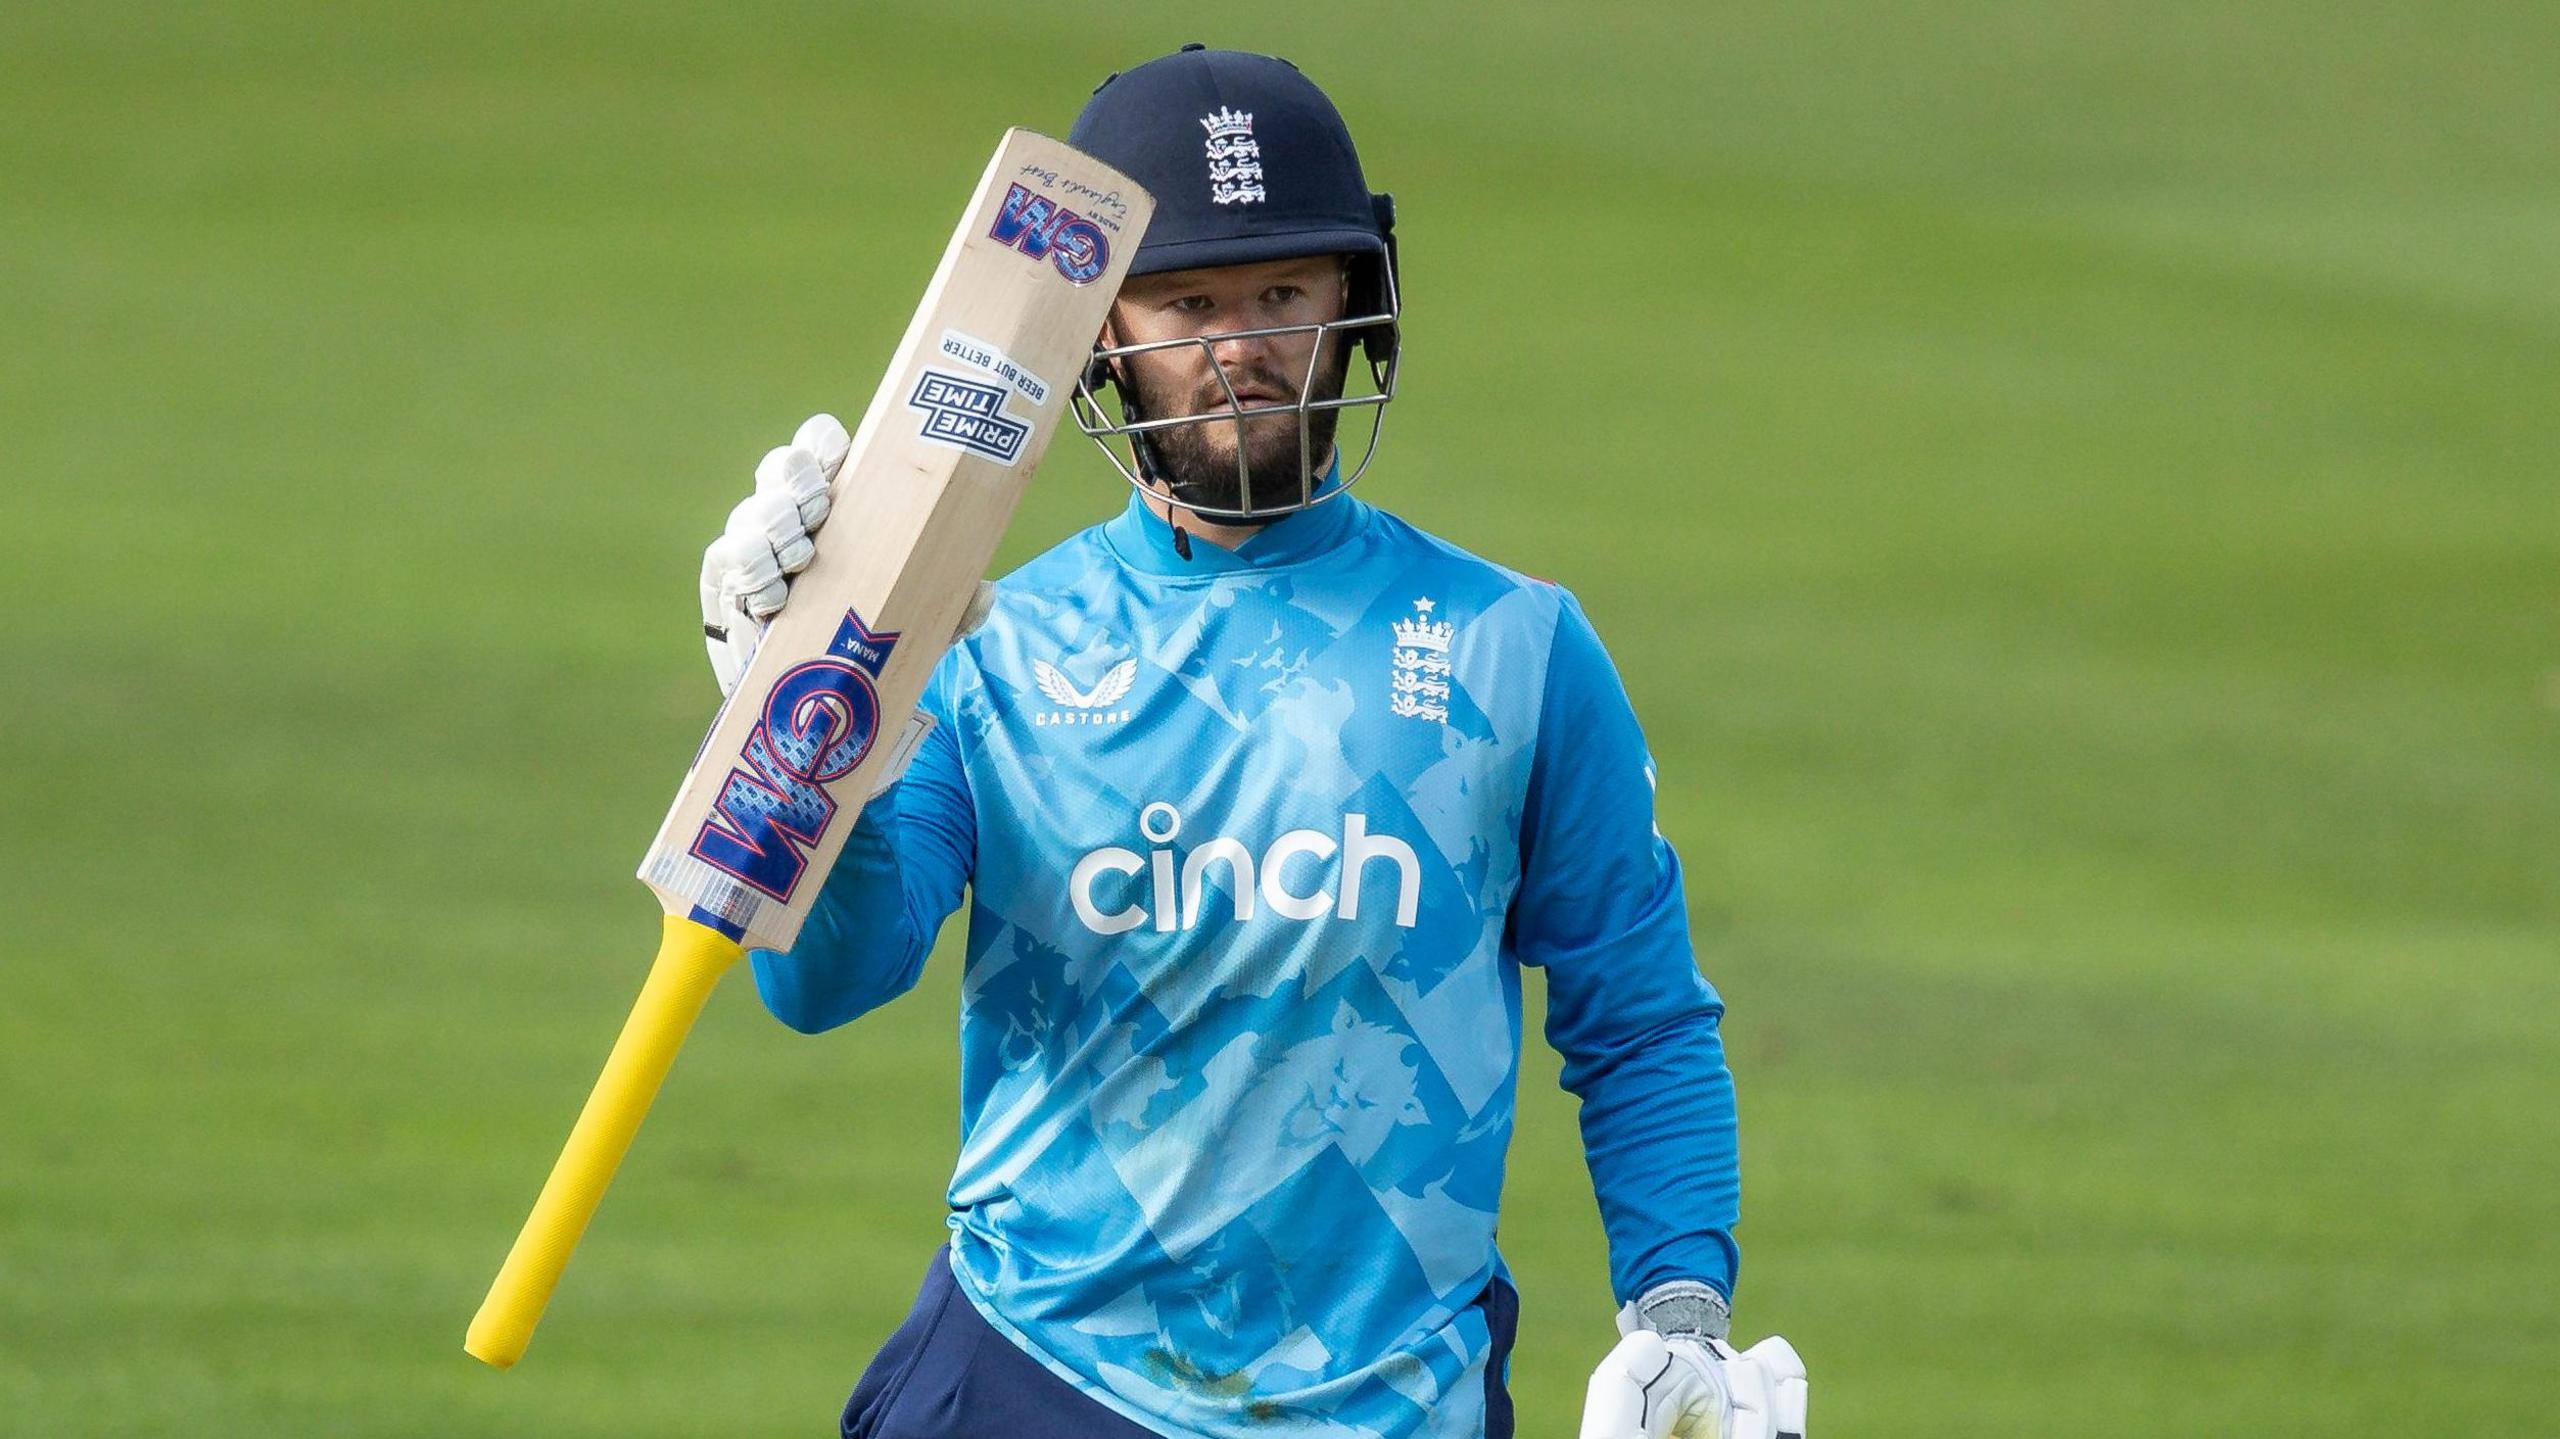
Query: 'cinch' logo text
[(1304, 875)]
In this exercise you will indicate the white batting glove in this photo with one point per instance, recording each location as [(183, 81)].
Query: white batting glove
[(1692, 1385), (746, 573)]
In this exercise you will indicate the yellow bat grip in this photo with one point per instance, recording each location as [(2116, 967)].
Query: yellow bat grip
[(691, 959)]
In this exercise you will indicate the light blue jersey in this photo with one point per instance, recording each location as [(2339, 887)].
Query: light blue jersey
[(1257, 843)]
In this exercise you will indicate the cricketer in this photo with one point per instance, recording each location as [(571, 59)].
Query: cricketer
[(1261, 799)]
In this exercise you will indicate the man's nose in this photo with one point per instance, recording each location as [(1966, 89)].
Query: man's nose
[(1237, 348)]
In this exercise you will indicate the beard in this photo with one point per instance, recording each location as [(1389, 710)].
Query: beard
[(1196, 463)]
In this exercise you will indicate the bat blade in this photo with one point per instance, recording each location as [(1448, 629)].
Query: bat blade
[(970, 403), (974, 394)]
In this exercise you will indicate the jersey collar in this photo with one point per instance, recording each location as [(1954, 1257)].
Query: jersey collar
[(1143, 541)]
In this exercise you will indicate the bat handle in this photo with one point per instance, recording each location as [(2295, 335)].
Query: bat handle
[(691, 959)]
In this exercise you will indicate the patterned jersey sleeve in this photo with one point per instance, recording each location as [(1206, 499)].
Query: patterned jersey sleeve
[(900, 876), (1600, 909)]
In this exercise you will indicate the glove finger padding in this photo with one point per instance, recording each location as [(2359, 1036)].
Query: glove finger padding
[(767, 539), (795, 477), (824, 436), (1783, 1376), (1655, 1388), (1614, 1406), (772, 520), (729, 632), (742, 566)]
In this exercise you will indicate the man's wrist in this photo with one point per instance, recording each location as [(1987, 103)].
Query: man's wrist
[(1685, 1309)]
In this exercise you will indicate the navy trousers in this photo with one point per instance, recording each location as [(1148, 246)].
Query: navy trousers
[(947, 1375)]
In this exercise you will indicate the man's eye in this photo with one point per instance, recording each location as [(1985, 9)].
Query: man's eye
[(1282, 294), (1193, 304)]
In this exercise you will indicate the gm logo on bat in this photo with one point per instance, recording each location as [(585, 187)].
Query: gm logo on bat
[(819, 721), (1046, 230)]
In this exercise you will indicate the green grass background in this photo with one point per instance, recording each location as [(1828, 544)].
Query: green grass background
[(2071, 486)]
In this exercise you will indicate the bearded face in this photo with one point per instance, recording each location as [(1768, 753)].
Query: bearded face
[(1188, 312), (1197, 463)]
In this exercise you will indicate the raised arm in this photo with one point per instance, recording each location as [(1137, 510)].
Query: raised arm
[(901, 875)]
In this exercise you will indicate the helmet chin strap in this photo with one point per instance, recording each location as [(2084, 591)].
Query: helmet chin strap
[(1142, 451)]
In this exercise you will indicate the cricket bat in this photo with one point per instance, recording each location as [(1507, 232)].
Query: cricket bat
[(971, 400)]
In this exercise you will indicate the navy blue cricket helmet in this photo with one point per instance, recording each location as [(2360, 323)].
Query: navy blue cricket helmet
[(1248, 161), (1246, 158)]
